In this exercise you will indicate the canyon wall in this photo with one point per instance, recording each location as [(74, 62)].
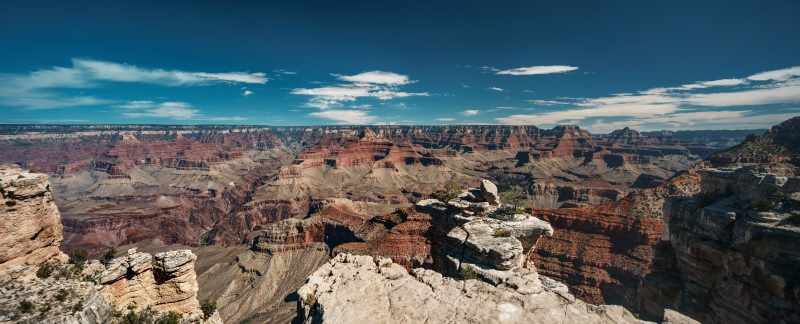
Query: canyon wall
[(733, 250)]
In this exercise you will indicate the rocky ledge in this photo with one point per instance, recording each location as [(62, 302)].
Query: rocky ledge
[(360, 289)]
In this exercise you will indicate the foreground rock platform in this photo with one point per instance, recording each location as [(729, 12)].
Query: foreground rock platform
[(360, 289)]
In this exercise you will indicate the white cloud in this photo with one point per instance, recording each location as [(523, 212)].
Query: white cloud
[(445, 119), (496, 89), (247, 93), (377, 77), (379, 85), (542, 69), (361, 106), (121, 72), (137, 104), (776, 75), (354, 117), (40, 89), (683, 106), (470, 112), (549, 102), (171, 109)]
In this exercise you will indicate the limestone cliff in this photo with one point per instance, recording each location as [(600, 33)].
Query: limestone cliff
[(360, 289)]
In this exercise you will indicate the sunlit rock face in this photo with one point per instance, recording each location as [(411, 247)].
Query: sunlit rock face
[(353, 288), (30, 224)]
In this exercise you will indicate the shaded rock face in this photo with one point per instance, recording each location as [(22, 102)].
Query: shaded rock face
[(604, 251), (355, 289), (734, 248), (30, 225)]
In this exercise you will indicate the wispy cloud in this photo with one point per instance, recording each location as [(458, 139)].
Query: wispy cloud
[(496, 89), (171, 109), (43, 89), (351, 117), (445, 119), (540, 69), (247, 93), (470, 112), (373, 84), (686, 105)]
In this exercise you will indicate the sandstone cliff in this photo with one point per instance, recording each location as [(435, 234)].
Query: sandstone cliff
[(38, 287), (30, 225)]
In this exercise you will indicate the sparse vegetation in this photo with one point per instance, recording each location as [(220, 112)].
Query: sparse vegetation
[(62, 294), (25, 306), (109, 255), (502, 232), (77, 307), (451, 190), (514, 198), (11, 203), (208, 307), (763, 205), (45, 270), (169, 318), (467, 272), (79, 257)]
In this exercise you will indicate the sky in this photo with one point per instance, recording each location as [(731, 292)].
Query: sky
[(602, 65)]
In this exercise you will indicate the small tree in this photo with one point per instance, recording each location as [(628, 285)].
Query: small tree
[(515, 196), (208, 307), (79, 257), (451, 190), (45, 270), (109, 255)]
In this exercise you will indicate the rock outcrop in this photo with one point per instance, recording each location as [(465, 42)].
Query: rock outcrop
[(167, 283), (733, 249), (30, 225), (475, 233), (360, 289), (38, 286)]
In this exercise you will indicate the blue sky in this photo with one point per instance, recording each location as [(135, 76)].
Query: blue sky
[(602, 65)]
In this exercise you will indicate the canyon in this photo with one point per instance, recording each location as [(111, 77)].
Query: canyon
[(264, 208)]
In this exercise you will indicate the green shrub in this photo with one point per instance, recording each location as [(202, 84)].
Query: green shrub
[(208, 307), (763, 205), (25, 306), (45, 270), (467, 272), (79, 257), (11, 203), (62, 294), (502, 232), (109, 255), (77, 307), (515, 196), (170, 318)]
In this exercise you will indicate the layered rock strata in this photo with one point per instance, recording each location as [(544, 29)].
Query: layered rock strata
[(481, 235), (30, 225), (733, 250), (38, 287)]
